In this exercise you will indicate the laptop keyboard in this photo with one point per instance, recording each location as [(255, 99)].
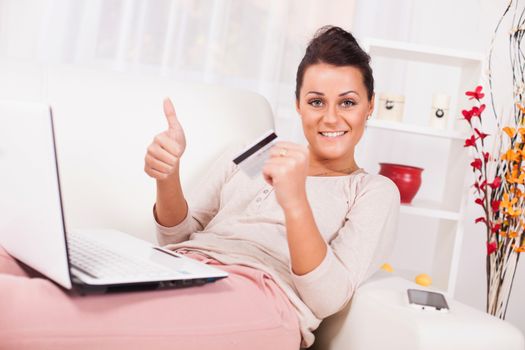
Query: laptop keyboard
[(98, 261)]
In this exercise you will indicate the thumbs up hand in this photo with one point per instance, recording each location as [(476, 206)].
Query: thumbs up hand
[(164, 153)]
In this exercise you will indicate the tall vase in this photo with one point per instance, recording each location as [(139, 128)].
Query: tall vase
[(500, 277)]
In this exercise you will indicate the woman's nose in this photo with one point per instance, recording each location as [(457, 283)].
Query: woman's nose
[(331, 115)]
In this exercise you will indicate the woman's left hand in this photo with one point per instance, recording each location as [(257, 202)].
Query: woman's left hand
[(286, 170)]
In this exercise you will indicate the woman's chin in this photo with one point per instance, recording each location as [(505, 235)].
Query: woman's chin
[(331, 152)]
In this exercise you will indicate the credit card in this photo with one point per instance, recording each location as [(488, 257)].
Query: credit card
[(251, 159)]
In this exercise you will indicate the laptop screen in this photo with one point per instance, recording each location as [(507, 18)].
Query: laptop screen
[(32, 227)]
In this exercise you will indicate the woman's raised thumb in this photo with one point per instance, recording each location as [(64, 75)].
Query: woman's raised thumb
[(169, 112)]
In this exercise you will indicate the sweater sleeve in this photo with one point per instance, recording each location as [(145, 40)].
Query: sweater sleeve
[(357, 251), (203, 203)]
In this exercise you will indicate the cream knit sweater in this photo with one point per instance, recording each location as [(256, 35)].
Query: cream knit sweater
[(237, 220)]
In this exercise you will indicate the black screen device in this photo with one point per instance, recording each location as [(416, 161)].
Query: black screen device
[(424, 300)]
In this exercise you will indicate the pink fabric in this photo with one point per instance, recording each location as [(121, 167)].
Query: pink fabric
[(247, 310)]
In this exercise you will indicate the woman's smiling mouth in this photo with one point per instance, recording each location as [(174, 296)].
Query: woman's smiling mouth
[(332, 134)]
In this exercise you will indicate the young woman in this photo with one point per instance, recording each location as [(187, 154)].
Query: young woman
[(315, 222), (297, 241)]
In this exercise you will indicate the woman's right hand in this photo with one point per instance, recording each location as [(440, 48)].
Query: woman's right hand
[(164, 153)]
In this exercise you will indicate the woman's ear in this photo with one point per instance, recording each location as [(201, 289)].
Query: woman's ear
[(297, 106), (371, 107)]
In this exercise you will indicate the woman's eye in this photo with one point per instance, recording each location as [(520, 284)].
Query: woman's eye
[(348, 103), (316, 103), (319, 103)]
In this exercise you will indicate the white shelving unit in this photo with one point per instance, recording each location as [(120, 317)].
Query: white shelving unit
[(416, 129), (441, 201)]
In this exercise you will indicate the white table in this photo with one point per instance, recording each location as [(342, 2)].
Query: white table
[(380, 318)]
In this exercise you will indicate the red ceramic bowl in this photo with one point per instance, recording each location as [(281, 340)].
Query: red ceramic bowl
[(407, 179)]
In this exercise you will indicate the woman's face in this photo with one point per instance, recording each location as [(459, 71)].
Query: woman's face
[(334, 107)]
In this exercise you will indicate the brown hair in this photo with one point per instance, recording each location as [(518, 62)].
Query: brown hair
[(335, 46)]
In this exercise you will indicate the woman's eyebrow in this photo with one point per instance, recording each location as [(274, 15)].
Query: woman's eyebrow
[(348, 92), (341, 94)]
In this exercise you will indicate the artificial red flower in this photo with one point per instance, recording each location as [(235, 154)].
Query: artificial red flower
[(496, 183), (481, 219), (495, 228), (481, 108), (470, 142), (495, 205), (476, 111), (476, 164), (483, 185), (481, 135), (486, 156), (477, 94), (467, 115), (479, 201), (491, 247)]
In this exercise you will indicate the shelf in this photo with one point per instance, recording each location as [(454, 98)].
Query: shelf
[(415, 60), (429, 209), (421, 53), (416, 129)]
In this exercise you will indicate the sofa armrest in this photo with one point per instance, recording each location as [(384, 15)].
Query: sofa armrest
[(379, 317)]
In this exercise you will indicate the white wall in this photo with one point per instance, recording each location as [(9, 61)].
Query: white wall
[(252, 44)]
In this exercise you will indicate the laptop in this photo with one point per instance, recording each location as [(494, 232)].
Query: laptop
[(33, 229)]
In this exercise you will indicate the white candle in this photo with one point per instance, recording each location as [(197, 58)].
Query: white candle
[(440, 110), (391, 107)]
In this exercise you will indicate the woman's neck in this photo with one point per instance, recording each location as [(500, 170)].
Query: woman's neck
[(331, 167)]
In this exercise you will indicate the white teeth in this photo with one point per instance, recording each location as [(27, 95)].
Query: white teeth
[(332, 134)]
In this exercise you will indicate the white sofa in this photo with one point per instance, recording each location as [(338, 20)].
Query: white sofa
[(104, 122)]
